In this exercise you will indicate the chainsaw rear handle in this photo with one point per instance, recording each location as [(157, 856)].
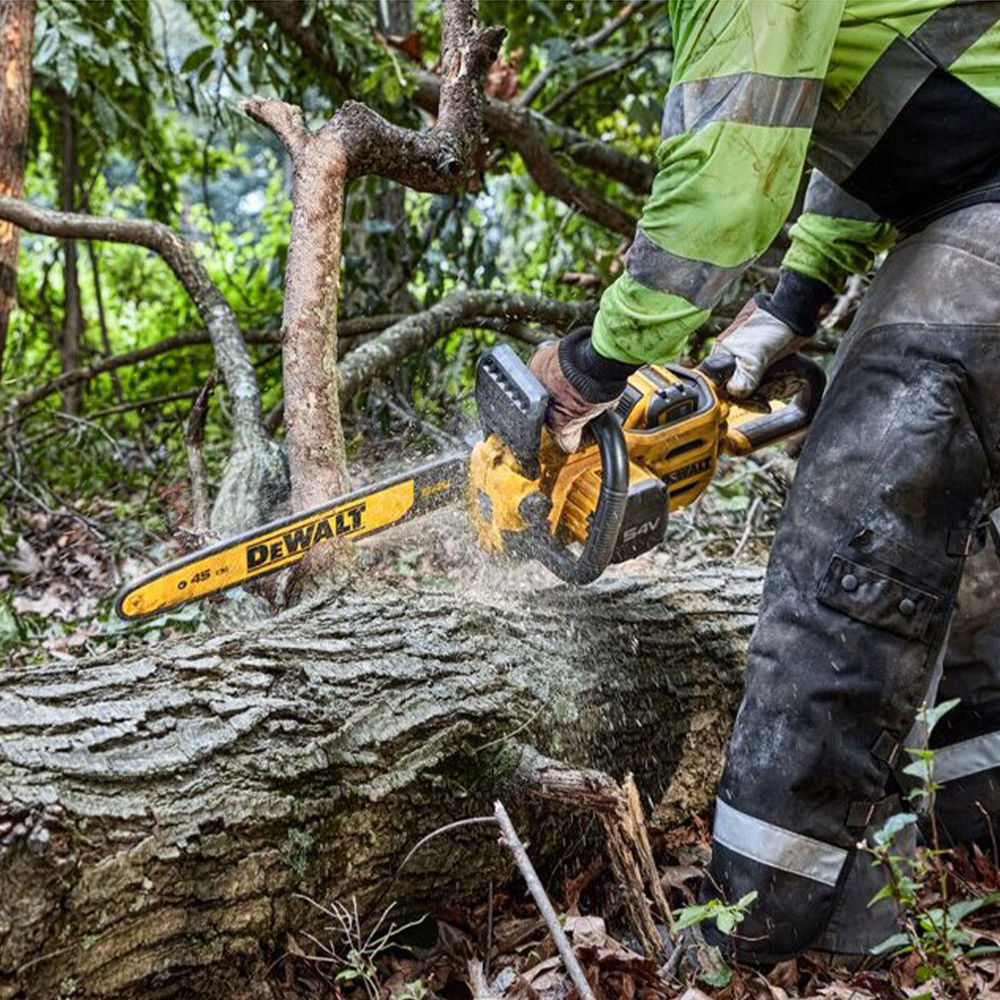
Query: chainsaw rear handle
[(772, 427), (605, 522)]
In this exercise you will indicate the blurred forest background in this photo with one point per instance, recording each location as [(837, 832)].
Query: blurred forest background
[(115, 433)]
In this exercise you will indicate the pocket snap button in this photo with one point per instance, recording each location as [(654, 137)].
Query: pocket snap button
[(907, 607), (850, 582)]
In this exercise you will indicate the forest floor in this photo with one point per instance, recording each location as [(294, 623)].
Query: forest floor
[(62, 564), (499, 948)]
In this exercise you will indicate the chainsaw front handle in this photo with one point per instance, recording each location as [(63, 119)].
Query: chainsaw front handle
[(606, 521), (797, 370)]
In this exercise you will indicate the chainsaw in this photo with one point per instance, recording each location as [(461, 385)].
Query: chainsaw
[(655, 453)]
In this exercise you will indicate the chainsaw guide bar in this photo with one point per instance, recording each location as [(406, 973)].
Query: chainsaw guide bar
[(284, 542)]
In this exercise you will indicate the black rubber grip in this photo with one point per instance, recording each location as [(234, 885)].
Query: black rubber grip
[(606, 521)]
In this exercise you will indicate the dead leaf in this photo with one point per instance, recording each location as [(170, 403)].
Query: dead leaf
[(501, 78), (48, 604), (25, 560), (587, 932)]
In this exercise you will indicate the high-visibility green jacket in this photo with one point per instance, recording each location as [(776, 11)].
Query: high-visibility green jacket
[(897, 104)]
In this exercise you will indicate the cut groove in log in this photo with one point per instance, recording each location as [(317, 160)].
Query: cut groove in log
[(160, 808)]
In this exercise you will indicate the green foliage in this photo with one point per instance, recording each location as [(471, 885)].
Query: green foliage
[(725, 916), (151, 88), (711, 967), (932, 925)]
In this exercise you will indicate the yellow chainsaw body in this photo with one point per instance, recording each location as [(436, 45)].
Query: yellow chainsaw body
[(675, 425)]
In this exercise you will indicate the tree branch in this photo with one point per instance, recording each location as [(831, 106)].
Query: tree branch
[(439, 159), (503, 312), (227, 339), (618, 66), (588, 152), (581, 45), (116, 361), (377, 356), (520, 129), (286, 121)]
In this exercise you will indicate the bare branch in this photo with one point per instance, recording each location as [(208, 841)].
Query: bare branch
[(439, 159), (517, 128), (436, 160), (522, 130), (420, 168), (194, 435), (419, 331), (284, 120), (474, 309), (116, 361), (227, 339)]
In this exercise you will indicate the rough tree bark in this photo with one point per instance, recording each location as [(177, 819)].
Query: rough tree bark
[(255, 482), (17, 25), (355, 142), (158, 811)]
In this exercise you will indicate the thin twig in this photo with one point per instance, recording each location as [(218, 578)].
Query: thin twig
[(194, 435), (471, 821), (611, 69), (543, 903), (489, 935), (748, 527), (580, 45)]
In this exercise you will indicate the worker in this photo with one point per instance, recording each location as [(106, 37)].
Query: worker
[(897, 106)]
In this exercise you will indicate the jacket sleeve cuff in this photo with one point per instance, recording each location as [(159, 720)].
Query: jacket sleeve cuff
[(796, 301), (596, 377)]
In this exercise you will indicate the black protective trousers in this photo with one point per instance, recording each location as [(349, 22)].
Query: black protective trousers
[(858, 615)]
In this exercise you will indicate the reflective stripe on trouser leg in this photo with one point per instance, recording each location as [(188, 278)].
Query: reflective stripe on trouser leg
[(777, 848), (966, 741), (861, 582)]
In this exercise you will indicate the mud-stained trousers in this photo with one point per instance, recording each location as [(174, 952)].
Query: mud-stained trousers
[(859, 616)]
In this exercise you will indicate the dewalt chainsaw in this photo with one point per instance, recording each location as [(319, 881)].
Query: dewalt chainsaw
[(577, 514)]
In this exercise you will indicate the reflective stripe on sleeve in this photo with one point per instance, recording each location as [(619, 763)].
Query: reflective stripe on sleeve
[(776, 847), (699, 282), (844, 137), (823, 197), (959, 760), (746, 98)]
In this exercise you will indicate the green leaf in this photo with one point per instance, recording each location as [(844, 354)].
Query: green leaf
[(898, 944), (125, 67), (66, 69), (196, 57), (892, 826), (960, 910), (930, 717), (48, 46), (77, 34)]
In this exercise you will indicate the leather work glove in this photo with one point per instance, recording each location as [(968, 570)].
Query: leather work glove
[(581, 383), (756, 339)]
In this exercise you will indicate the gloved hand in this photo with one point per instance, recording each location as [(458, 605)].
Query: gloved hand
[(581, 384), (756, 339)]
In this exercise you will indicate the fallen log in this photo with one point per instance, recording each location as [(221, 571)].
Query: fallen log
[(160, 809)]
